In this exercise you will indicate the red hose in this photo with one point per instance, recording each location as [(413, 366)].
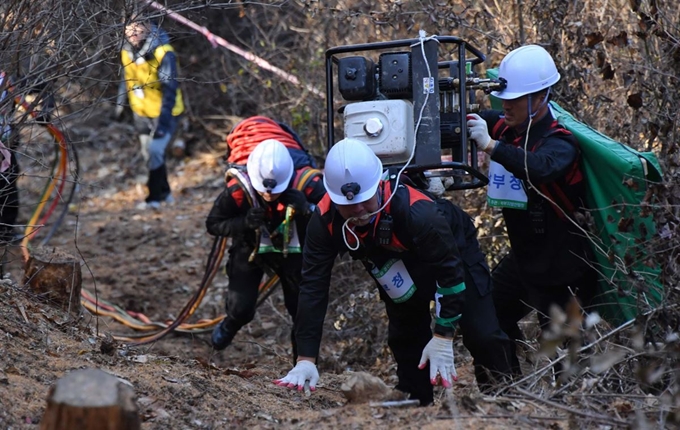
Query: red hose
[(250, 132)]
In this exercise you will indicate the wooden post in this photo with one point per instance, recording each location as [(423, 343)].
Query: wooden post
[(90, 399), (56, 276)]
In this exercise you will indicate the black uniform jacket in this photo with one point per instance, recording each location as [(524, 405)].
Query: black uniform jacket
[(421, 238), (548, 247), (227, 216)]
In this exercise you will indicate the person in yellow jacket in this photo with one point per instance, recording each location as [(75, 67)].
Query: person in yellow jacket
[(149, 68)]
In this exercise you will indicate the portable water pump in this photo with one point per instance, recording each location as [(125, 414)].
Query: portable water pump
[(411, 101)]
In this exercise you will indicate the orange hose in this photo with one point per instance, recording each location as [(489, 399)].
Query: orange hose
[(141, 322), (61, 172), (194, 302)]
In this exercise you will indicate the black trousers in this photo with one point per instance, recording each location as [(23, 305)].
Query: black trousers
[(159, 187), (245, 278), (410, 330), (9, 200), (514, 297)]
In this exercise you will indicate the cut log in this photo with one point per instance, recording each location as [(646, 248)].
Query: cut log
[(90, 399), (55, 276)]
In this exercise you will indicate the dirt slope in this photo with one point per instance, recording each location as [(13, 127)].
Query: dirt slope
[(151, 262)]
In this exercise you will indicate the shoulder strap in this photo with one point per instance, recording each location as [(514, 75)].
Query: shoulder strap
[(552, 190), (559, 198), (305, 176), (499, 128), (243, 182), (555, 128), (414, 195)]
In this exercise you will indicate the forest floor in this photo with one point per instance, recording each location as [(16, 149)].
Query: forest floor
[(151, 262)]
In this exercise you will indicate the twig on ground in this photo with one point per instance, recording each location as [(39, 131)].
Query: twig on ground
[(542, 370), (500, 417), (511, 399), (395, 403), (586, 414)]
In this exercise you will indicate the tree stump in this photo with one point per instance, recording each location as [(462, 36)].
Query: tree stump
[(90, 399), (56, 276)]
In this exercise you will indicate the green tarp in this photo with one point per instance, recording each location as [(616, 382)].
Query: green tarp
[(618, 177)]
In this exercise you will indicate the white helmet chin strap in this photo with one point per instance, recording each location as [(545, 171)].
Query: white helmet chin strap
[(543, 103), (346, 228), (531, 115)]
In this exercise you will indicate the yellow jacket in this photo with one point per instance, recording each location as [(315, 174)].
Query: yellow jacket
[(143, 86)]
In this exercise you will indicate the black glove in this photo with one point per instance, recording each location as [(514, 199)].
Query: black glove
[(159, 132), (277, 240), (255, 218), (296, 199)]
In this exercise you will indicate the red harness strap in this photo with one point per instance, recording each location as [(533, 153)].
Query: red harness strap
[(414, 196), (552, 190), (395, 244), (499, 128), (237, 194)]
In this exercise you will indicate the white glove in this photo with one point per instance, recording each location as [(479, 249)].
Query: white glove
[(6, 157), (440, 353), (118, 112), (303, 371), (479, 132)]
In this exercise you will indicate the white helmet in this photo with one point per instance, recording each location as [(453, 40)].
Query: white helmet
[(352, 172), (270, 167), (527, 70)]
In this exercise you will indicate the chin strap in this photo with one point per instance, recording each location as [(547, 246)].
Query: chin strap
[(346, 228)]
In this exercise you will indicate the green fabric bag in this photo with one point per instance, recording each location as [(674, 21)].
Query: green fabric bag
[(617, 178)]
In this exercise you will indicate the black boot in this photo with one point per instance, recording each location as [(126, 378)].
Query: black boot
[(159, 188), (222, 336)]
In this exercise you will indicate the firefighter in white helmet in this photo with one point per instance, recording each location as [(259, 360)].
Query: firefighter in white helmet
[(278, 185), (536, 178), (417, 250)]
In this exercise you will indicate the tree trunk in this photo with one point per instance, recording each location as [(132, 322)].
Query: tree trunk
[(55, 276), (90, 399)]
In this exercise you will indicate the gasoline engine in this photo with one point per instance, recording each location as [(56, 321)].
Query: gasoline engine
[(408, 100)]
